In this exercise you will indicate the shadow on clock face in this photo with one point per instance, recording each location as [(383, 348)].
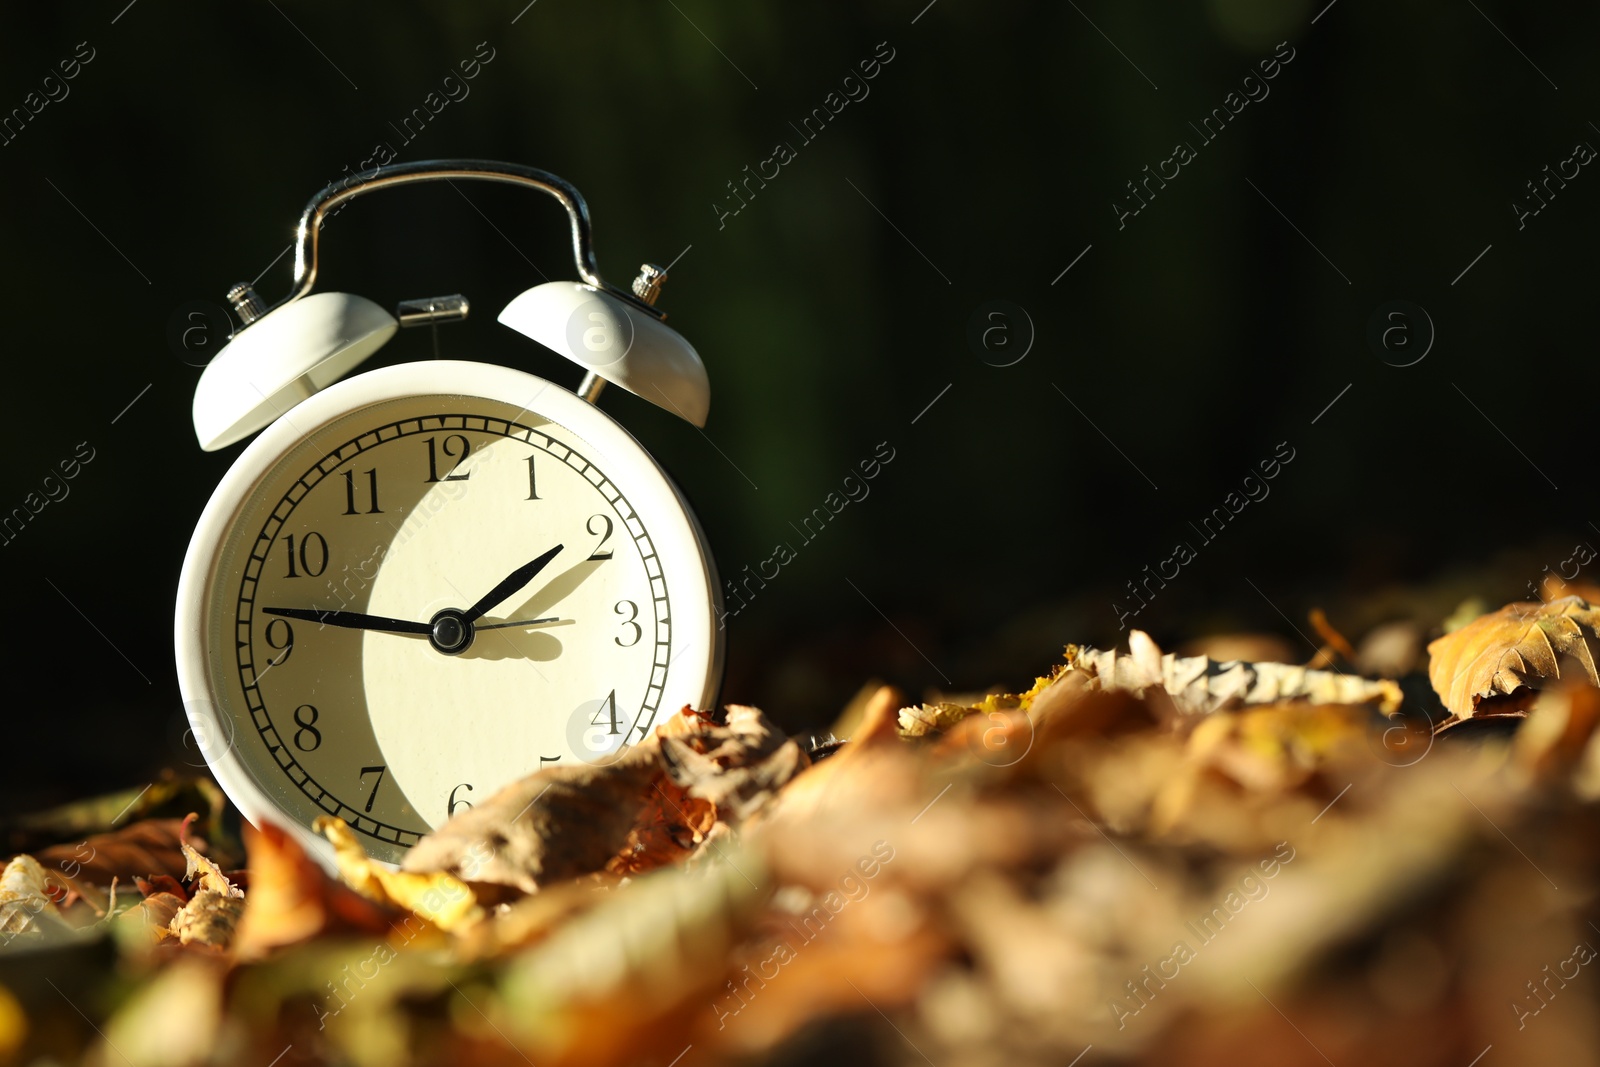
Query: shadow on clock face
[(513, 643), (557, 589)]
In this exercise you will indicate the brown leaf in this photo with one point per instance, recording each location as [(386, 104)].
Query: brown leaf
[(149, 923), (292, 899), (167, 797), (1520, 646), (668, 827), (872, 761), (559, 823), (1560, 730), (737, 765), (650, 807), (140, 850)]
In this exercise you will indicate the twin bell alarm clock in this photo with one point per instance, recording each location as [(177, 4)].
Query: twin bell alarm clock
[(421, 583)]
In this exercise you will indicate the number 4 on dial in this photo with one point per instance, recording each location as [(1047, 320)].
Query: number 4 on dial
[(610, 703)]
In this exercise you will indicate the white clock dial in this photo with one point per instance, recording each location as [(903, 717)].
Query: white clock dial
[(433, 595)]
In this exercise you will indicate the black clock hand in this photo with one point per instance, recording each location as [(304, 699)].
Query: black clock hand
[(352, 620), (513, 581), (507, 625)]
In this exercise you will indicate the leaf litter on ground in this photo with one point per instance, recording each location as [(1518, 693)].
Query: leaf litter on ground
[(1142, 858)]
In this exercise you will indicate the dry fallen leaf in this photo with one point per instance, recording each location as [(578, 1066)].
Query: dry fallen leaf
[(443, 900), (560, 823), (149, 922), (200, 872), (213, 911), (1162, 859), (139, 850), (292, 899), (737, 765), (1519, 646), (25, 898), (208, 919), (1199, 686), (652, 805)]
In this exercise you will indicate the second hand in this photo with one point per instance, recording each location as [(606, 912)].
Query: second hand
[(506, 625)]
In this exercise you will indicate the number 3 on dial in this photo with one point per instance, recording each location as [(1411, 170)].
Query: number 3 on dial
[(630, 609)]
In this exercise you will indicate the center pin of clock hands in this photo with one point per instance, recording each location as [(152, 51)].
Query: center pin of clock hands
[(449, 631)]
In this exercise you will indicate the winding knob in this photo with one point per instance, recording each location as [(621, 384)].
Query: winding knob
[(246, 304), (647, 286)]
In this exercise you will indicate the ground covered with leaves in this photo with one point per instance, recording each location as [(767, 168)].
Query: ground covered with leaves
[(1386, 856)]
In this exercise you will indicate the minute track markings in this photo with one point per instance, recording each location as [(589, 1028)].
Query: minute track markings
[(327, 467)]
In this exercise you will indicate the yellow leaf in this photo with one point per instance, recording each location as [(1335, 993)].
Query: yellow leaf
[(1517, 647), (438, 897)]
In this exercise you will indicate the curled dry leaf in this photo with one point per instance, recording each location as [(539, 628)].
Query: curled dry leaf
[(205, 876), (1520, 646), (668, 827), (737, 765), (560, 823), (1199, 686), (25, 897), (650, 806), (214, 908), (209, 919), (167, 797)]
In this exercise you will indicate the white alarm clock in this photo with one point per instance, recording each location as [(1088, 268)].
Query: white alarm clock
[(425, 582)]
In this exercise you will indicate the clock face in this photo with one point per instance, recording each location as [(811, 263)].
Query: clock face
[(434, 595)]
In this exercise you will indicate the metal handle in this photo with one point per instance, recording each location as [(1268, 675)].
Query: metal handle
[(305, 251)]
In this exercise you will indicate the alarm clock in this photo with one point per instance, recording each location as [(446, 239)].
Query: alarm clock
[(424, 582)]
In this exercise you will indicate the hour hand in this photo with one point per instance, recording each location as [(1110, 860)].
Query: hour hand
[(510, 584), (353, 620)]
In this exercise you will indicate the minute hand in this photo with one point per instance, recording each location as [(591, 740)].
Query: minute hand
[(351, 620), (513, 581)]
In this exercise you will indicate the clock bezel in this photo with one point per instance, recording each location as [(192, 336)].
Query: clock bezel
[(673, 524)]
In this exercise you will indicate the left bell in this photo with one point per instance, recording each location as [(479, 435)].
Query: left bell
[(281, 358)]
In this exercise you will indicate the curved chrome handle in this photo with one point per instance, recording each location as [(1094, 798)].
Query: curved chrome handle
[(316, 211)]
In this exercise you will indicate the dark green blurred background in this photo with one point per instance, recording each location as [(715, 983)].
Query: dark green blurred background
[(834, 307)]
